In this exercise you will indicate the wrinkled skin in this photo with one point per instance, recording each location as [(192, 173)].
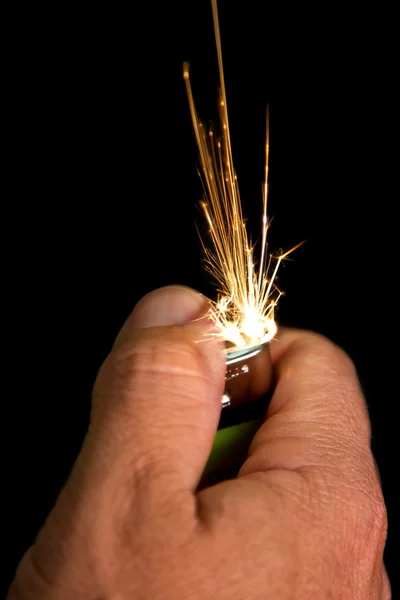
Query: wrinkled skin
[(305, 519)]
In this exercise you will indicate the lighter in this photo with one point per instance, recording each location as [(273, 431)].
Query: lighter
[(248, 382)]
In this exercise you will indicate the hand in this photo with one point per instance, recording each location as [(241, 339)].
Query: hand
[(305, 519)]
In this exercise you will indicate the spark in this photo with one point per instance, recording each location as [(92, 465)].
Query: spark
[(247, 292)]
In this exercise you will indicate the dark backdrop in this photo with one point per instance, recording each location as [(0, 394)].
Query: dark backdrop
[(104, 194)]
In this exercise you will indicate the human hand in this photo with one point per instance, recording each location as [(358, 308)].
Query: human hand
[(305, 518)]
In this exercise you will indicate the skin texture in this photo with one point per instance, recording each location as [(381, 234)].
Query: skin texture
[(305, 519)]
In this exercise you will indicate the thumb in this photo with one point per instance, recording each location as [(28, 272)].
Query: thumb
[(155, 411), (157, 399)]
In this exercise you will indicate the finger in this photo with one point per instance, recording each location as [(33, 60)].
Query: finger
[(155, 410), (317, 417), (169, 305), (313, 451), (157, 399)]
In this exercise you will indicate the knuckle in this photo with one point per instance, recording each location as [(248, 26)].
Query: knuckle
[(365, 520), (161, 361), (358, 527), (325, 352), (158, 353), (150, 473), (332, 371), (355, 520), (148, 467)]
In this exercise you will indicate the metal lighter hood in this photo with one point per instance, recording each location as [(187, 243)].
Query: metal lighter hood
[(248, 375)]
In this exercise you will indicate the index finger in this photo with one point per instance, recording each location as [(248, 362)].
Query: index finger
[(317, 417)]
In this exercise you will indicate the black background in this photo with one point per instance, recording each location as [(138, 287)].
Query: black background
[(104, 193)]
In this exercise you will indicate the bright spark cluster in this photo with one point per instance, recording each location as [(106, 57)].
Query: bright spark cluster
[(248, 294)]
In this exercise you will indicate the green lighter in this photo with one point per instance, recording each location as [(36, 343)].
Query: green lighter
[(248, 381)]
